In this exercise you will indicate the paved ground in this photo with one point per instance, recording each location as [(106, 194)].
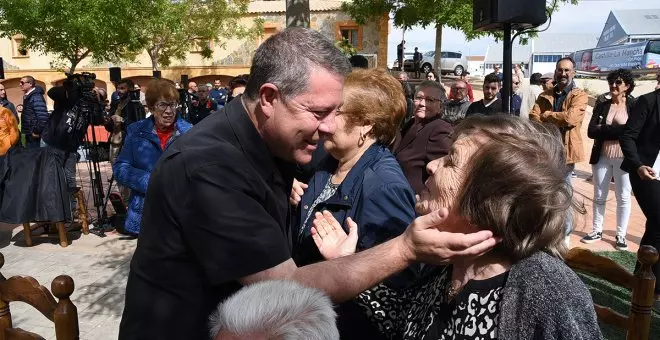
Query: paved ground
[(99, 266)]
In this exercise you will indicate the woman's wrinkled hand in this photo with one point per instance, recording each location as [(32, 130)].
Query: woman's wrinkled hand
[(331, 239), (297, 191)]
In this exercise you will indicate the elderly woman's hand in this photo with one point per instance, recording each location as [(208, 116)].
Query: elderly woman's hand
[(297, 190), (331, 239), (425, 240)]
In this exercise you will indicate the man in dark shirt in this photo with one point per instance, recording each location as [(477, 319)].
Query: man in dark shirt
[(490, 105), (216, 214), (417, 59)]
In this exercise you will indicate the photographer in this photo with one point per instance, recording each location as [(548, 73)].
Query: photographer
[(123, 112), (76, 104)]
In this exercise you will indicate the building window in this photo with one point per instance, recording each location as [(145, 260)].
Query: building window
[(19, 51), (547, 58), (269, 31), (350, 31)]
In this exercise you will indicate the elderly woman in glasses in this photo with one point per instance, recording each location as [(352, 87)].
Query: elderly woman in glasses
[(145, 142), (506, 175), (424, 138)]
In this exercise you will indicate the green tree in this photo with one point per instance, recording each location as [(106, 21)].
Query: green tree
[(173, 28), (72, 30), (456, 14)]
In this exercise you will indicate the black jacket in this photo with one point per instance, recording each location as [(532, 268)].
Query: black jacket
[(599, 131), (35, 113), (33, 186), (640, 140)]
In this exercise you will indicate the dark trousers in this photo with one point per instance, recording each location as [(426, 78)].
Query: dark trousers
[(647, 194)]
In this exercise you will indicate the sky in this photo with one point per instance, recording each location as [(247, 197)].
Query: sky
[(588, 16)]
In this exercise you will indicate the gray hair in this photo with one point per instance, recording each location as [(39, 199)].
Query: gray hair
[(282, 310), (432, 84), (203, 87), (516, 185), (287, 58)]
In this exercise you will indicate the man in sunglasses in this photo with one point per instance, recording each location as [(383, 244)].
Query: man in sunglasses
[(455, 108), (564, 105), (35, 113)]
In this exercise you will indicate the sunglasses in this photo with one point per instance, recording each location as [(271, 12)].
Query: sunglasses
[(516, 82), (617, 82)]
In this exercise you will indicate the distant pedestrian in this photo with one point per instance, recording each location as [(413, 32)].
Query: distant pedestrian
[(399, 54), (417, 60), (35, 113)]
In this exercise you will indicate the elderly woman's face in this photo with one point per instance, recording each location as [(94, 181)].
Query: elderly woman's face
[(446, 175), (344, 140), (428, 103), (164, 113)]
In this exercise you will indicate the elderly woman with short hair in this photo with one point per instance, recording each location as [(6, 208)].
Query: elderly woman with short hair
[(360, 180), (503, 174), (144, 144)]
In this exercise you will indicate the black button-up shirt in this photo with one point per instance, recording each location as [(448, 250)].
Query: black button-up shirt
[(216, 211)]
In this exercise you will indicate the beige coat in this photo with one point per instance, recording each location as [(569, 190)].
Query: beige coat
[(569, 120)]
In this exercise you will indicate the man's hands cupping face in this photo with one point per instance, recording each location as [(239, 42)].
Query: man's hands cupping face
[(425, 240)]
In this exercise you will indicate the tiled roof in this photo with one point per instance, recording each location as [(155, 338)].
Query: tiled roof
[(279, 6)]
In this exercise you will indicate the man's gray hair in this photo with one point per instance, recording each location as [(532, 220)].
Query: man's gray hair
[(282, 310), (287, 58), (203, 87), (432, 84)]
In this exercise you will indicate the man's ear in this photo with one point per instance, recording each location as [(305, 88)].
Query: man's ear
[(269, 95)]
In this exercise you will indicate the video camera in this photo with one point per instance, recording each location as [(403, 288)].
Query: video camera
[(81, 86)]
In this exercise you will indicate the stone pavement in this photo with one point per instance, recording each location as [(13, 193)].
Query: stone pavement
[(99, 266)]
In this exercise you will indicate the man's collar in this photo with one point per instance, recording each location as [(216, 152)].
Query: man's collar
[(30, 91), (566, 90), (251, 142)]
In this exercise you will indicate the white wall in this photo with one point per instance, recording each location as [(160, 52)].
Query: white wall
[(476, 68), (542, 67)]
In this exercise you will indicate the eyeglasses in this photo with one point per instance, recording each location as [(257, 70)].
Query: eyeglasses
[(617, 82), (456, 89), (162, 106), (427, 99), (21, 82), (516, 82)]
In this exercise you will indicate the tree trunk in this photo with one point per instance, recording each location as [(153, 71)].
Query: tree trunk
[(153, 55), (297, 13), (437, 59)]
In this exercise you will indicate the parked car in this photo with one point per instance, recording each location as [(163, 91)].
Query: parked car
[(407, 62), (451, 62)]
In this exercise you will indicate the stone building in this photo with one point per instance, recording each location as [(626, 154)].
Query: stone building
[(227, 61)]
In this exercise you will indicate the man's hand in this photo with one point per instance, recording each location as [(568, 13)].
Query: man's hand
[(426, 241), (35, 135), (297, 191), (646, 173), (331, 239)]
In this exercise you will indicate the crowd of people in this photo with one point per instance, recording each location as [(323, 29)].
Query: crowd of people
[(315, 180)]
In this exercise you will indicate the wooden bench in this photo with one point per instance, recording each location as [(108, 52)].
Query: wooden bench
[(60, 225), (637, 323), (62, 313)]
